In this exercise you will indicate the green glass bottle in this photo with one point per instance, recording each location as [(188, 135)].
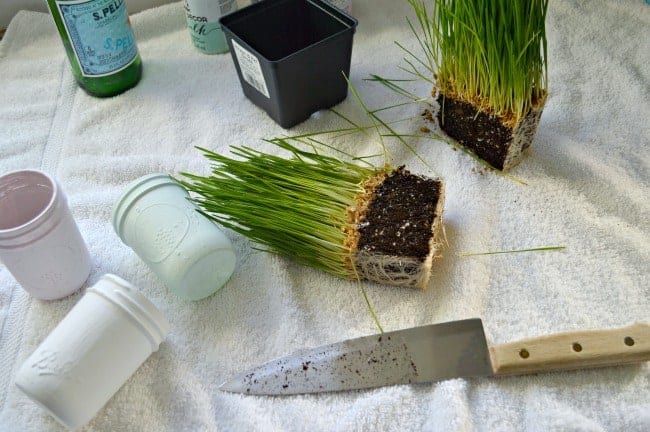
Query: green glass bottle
[(100, 44)]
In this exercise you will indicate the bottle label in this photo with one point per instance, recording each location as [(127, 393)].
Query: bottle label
[(203, 23), (100, 34)]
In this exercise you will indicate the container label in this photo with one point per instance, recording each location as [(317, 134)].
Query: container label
[(203, 23), (100, 34), (250, 68)]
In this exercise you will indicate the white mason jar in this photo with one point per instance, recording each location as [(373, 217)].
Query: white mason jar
[(91, 353), (40, 243), (186, 250)]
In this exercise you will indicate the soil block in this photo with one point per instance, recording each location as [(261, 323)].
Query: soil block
[(485, 135), (400, 230)]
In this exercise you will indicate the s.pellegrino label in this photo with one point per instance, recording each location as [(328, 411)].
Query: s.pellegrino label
[(100, 35)]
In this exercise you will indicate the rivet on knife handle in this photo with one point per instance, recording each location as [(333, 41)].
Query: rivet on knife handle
[(573, 350)]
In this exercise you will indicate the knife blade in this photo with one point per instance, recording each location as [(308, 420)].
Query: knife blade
[(437, 352)]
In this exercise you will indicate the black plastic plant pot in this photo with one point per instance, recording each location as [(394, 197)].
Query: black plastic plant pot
[(291, 56)]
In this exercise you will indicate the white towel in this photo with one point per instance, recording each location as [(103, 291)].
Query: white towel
[(588, 184)]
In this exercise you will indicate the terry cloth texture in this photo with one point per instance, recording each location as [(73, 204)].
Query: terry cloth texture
[(587, 187)]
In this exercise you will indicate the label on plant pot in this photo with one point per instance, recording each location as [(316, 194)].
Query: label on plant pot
[(250, 68)]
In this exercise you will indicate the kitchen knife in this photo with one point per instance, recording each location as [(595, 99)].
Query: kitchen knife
[(438, 352)]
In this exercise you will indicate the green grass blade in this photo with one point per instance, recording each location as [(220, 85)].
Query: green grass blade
[(537, 249)]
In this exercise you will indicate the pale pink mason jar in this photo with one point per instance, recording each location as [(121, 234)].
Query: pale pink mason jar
[(40, 243)]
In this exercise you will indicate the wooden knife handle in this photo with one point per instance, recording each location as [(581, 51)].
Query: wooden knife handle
[(573, 350)]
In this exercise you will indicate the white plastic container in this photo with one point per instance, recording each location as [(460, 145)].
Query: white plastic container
[(91, 353), (40, 243), (186, 250)]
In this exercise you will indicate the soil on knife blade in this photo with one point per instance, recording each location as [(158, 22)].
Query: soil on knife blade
[(399, 219), (484, 134)]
